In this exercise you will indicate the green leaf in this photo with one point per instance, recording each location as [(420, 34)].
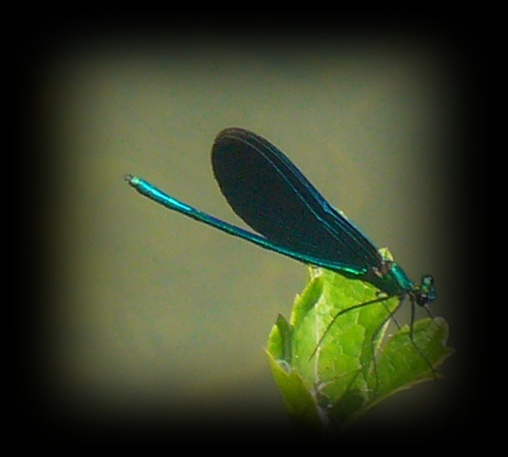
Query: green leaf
[(404, 363), (333, 361)]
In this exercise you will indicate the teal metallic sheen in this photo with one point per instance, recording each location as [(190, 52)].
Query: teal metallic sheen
[(390, 278)]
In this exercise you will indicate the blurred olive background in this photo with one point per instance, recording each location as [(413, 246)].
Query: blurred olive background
[(150, 314)]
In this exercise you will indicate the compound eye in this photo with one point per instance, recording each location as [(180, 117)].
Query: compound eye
[(427, 290)]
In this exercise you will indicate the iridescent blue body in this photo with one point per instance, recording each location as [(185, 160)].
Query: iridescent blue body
[(272, 196)]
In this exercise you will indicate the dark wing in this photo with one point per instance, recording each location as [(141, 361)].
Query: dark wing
[(274, 198)]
